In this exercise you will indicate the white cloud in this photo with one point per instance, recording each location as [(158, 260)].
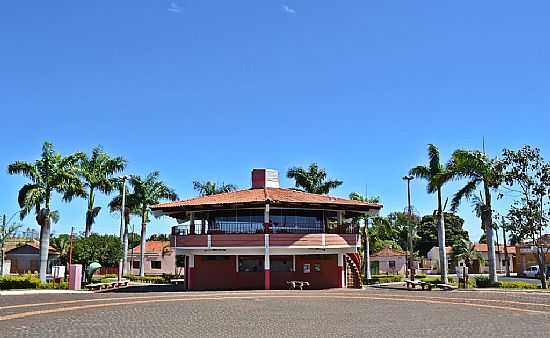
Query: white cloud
[(174, 7), (288, 10)]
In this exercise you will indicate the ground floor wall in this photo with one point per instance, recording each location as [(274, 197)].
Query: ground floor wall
[(232, 272)]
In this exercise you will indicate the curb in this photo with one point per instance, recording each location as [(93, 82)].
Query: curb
[(40, 292)]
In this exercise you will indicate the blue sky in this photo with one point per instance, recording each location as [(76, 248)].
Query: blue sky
[(207, 90)]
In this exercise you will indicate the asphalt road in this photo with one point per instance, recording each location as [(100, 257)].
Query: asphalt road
[(330, 313)]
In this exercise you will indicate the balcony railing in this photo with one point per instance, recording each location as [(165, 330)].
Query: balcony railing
[(260, 228)]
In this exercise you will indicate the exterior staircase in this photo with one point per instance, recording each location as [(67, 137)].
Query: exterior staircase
[(353, 271)]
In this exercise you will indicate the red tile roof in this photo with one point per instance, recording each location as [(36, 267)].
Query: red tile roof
[(481, 247), (388, 252), (271, 195), (152, 247)]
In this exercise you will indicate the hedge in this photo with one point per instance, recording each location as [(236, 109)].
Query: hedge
[(381, 279), (28, 281)]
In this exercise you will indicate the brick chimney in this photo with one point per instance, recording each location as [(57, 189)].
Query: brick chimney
[(265, 178)]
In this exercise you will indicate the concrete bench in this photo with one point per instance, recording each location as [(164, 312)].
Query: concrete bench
[(445, 286), (110, 285), (414, 284), (293, 285), (177, 281)]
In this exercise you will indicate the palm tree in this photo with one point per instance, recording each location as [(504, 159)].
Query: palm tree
[(313, 180), (466, 251), (97, 173), (437, 175), (131, 207), (365, 231), (212, 188), (51, 173), (480, 172), (146, 192)]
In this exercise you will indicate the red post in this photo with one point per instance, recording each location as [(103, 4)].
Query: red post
[(267, 279)]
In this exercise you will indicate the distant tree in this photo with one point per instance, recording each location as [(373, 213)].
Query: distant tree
[(97, 173), (480, 172), (364, 231), (148, 191), (398, 231), (436, 174), (51, 173), (313, 179), (159, 237), (212, 188), (465, 250), (8, 228), (104, 249), (427, 232), (61, 243)]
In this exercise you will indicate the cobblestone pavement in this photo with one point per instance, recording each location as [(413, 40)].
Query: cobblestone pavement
[(330, 313)]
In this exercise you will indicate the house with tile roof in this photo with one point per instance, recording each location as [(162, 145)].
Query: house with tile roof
[(266, 236), (160, 258), (388, 261), (24, 256), (478, 266)]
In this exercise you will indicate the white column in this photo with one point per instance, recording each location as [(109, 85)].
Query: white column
[(341, 270), (293, 263), (267, 262), (236, 263)]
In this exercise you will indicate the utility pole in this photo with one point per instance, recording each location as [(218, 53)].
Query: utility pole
[(409, 178), (506, 258), (367, 250), (123, 230)]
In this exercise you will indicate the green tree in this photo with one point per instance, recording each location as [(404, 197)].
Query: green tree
[(364, 231), (61, 243), (104, 249), (313, 179), (528, 173), (465, 250), (146, 192), (212, 188), (8, 228), (51, 173), (427, 232), (97, 173), (159, 237), (480, 172), (436, 174)]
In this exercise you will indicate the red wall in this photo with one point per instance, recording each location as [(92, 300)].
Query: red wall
[(222, 274)]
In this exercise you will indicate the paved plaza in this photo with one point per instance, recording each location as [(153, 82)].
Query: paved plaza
[(330, 313)]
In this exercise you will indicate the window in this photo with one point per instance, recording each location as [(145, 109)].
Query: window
[(281, 265), (251, 264), (391, 264), (157, 265), (135, 264)]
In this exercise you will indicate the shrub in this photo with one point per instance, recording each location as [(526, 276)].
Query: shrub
[(28, 281), (147, 279), (517, 285), (420, 275), (485, 282), (381, 279)]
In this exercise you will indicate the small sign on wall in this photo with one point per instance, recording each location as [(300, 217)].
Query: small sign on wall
[(317, 267), (307, 268)]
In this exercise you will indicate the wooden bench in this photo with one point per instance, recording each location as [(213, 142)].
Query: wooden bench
[(414, 284), (110, 285), (293, 285)]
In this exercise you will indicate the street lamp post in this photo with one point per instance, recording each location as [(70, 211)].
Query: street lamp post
[(409, 178)]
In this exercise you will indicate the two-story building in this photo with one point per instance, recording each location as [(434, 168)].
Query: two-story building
[(263, 237)]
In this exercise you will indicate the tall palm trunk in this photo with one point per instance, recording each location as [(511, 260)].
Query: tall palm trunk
[(44, 221), (142, 246), (487, 222), (441, 238), (89, 214), (366, 252)]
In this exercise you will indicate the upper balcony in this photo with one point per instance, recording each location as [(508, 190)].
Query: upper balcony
[(223, 228)]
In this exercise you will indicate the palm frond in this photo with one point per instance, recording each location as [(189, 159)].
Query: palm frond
[(464, 193)]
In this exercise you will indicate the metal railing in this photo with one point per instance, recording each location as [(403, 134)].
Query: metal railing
[(275, 228)]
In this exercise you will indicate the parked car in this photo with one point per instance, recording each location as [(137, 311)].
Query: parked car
[(532, 271)]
